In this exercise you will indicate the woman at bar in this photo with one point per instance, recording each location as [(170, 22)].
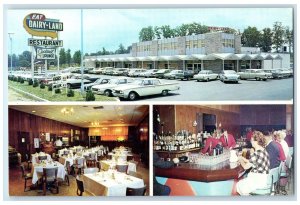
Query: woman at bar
[(260, 164)]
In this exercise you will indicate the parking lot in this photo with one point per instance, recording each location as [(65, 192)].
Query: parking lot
[(272, 89)]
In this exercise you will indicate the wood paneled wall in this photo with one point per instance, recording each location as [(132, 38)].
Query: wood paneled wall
[(167, 117), (109, 134), (263, 115), (24, 122), (185, 115)]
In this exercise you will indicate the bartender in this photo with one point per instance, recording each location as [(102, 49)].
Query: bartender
[(211, 143), (227, 140)]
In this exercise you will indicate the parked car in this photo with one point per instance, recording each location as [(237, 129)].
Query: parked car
[(144, 87), (106, 89), (96, 71), (99, 81), (281, 73), (256, 74), (206, 75), (107, 70), (161, 72), (87, 70), (185, 75), (229, 76), (172, 74), (148, 73), (76, 70), (120, 71), (75, 81), (135, 72)]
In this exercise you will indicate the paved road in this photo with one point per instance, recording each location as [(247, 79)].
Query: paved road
[(192, 90)]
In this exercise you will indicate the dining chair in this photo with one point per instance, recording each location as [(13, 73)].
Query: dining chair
[(80, 187), (26, 176), (136, 191), (50, 179), (285, 174), (122, 168), (91, 163), (78, 165), (90, 170), (269, 189), (42, 157), (28, 160)]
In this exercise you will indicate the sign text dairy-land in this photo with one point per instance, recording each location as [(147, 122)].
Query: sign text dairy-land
[(44, 42), (38, 25)]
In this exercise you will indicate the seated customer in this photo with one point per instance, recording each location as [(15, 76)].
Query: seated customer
[(279, 138), (210, 143), (260, 164), (273, 150), (227, 140), (160, 189)]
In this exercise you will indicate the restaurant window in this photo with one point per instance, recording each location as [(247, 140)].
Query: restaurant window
[(195, 44), (187, 45), (229, 43), (201, 43), (228, 66)]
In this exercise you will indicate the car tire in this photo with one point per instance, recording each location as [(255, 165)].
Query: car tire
[(257, 79), (164, 92), (207, 79), (107, 93), (132, 96), (198, 80)]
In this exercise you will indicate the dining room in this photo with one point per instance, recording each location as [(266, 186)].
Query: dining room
[(78, 150)]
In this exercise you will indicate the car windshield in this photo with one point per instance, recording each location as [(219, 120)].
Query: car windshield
[(137, 82), (229, 72), (113, 81), (203, 72), (161, 71)]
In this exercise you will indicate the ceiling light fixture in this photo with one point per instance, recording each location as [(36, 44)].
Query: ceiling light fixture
[(67, 111), (33, 111)]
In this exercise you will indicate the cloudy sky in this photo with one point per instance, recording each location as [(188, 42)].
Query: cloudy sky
[(110, 27)]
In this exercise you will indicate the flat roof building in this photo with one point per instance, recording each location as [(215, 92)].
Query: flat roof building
[(210, 51)]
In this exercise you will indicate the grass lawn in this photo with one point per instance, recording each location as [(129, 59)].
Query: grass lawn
[(47, 95)]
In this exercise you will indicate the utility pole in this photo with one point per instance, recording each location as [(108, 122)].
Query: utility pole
[(10, 38)]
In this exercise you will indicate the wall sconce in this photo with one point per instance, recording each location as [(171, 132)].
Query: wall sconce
[(220, 124), (158, 118), (195, 123)]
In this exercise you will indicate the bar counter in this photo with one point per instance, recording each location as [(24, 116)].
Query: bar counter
[(188, 179)]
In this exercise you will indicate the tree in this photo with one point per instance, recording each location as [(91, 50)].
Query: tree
[(68, 57), (182, 30), (77, 57), (62, 56), (278, 35), (265, 42), (121, 49), (289, 38), (167, 31), (196, 28), (146, 34), (25, 59), (24, 63), (157, 32), (129, 48), (250, 37)]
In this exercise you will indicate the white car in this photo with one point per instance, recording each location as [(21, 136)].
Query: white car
[(96, 71), (229, 76), (148, 73), (135, 72), (205, 75), (106, 89), (172, 74), (256, 74), (144, 87), (100, 81)]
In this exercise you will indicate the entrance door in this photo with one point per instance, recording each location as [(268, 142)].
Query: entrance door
[(197, 67), (23, 144)]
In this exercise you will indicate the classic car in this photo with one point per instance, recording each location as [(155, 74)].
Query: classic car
[(206, 75), (161, 72), (187, 74), (135, 72), (96, 71), (144, 87), (172, 74), (256, 74), (106, 89), (148, 73), (120, 71), (281, 73), (107, 70), (229, 76), (99, 81), (75, 81)]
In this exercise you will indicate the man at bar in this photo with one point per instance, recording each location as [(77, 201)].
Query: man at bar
[(210, 143), (273, 150), (227, 140)]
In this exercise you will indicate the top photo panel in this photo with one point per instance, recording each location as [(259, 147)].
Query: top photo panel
[(150, 55)]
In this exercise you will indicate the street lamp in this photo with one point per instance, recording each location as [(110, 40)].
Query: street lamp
[(10, 38)]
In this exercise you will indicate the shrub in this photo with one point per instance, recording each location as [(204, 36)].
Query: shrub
[(42, 85), (50, 88), (22, 80), (15, 79), (30, 82), (90, 96), (57, 91), (35, 83), (19, 79), (70, 93)]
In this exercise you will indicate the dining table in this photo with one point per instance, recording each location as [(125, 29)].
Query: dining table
[(110, 183), (37, 170), (34, 157), (111, 164)]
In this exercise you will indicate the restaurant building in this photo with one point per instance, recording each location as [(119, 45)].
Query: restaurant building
[(215, 51), (183, 132), (99, 150)]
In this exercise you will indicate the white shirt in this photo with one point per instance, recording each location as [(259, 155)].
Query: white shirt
[(285, 147), (58, 143)]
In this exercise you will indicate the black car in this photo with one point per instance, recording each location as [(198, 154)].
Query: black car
[(185, 75)]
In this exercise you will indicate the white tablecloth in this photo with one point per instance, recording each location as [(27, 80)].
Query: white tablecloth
[(63, 160), (103, 184), (106, 164), (37, 170), (35, 156)]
